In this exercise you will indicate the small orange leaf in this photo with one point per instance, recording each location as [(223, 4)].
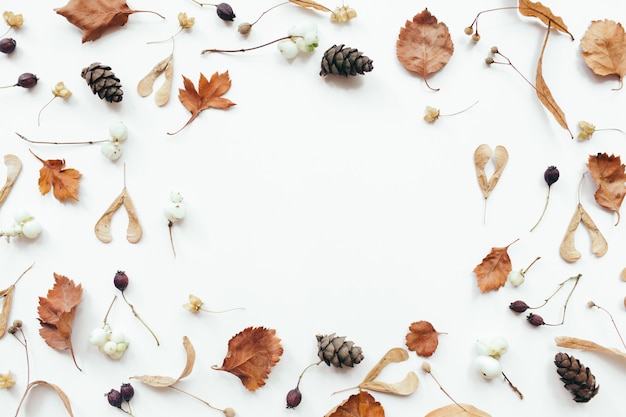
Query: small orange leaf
[(53, 174), (493, 271), (609, 174), (604, 48), (362, 404), (208, 95), (422, 338), (424, 45), (251, 355)]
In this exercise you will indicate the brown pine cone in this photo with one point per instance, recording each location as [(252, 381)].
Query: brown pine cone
[(338, 60), (337, 351), (577, 377), (103, 82)]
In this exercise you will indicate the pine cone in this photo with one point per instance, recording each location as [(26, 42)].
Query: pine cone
[(336, 351), (103, 82), (338, 60), (578, 379)]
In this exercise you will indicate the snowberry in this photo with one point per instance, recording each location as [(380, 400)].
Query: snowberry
[(288, 49), (487, 366), (31, 229), (98, 337), (111, 150), (117, 336), (118, 132), (109, 347), (22, 217), (175, 210), (516, 278)]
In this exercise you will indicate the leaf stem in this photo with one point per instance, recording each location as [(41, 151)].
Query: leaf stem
[(545, 207), (106, 316), (45, 105), (140, 319), (270, 9), (169, 226), (249, 49), (194, 397), (426, 368), (575, 277), (592, 304), (84, 142), (531, 264), (305, 369), (23, 273), (460, 111), (521, 396)]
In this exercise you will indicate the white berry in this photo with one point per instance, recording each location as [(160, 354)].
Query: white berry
[(117, 336), (111, 150), (118, 132), (176, 197), (500, 345), (516, 278), (487, 366), (175, 212), (483, 347), (98, 337), (109, 347), (288, 48), (22, 217), (31, 229)]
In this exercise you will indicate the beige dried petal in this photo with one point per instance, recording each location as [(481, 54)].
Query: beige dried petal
[(184, 21), (6, 380), (14, 166), (586, 130), (60, 90), (458, 410), (431, 114), (64, 398), (405, 387), (194, 305), (166, 381), (12, 19)]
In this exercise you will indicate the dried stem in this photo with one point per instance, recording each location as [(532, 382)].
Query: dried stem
[(531, 264), (140, 319), (521, 396), (195, 397), (592, 304), (460, 111), (106, 316), (83, 142), (576, 278), (545, 207), (426, 368), (24, 343), (305, 369), (171, 38), (23, 273), (169, 226), (249, 49), (45, 105), (221, 311), (539, 12), (270, 9)]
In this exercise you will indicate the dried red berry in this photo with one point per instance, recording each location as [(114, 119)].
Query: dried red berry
[(551, 175), (294, 397), (225, 12), (27, 80), (7, 45), (127, 391), (115, 398), (518, 306), (535, 319), (120, 280)]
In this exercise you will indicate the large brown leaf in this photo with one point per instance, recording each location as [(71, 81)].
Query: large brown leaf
[(604, 48), (208, 95), (543, 13), (494, 269), (63, 181), (95, 17), (457, 410), (422, 338), (56, 313), (609, 174), (424, 45), (362, 404), (251, 355)]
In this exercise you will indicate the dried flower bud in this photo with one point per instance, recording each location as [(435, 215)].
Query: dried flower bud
[(115, 398), (489, 60), (120, 280), (194, 305), (294, 397), (60, 90), (426, 367), (12, 19), (6, 380), (17, 323), (184, 21), (469, 30), (27, 80), (494, 50), (229, 412), (342, 14), (535, 319), (432, 114), (551, 175), (518, 306), (244, 28), (12, 330), (586, 130), (225, 12), (127, 391), (7, 45)]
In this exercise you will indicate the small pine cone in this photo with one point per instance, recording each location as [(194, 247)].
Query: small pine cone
[(338, 60), (103, 82), (578, 379), (336, 351)]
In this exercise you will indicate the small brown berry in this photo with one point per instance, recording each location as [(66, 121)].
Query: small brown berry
[(475, 37), (127, 391), (518, 306), (468, 30), (120, 280), (535, 319), (551, 175), (494, 50), (7, 45), (225, 12), (294, 397), (229, 412), (115, 398), (244, 28), (489, 60), (27, 80)]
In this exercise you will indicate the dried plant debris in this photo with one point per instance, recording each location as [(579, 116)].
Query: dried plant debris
[(492, 272), (362, 404), (482, 155), (63, 181), (577, 378), (599, 245), (609, 174), (588, 345), (405, 387), (145, 85), (14, 166), (604, 48), (422, 338), (134, 231)]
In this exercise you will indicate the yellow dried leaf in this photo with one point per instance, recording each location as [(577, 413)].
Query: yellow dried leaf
[(576, 343), (7, 295), (458, 410), (604, 48), (14, 166)]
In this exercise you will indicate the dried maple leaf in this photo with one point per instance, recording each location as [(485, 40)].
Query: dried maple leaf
[(405, 387), (422, 338), (457, 410), (424, 45), (609, 174), (64, 181), (57, 311), (251, 355), (362, 404), (604, 48), (543, 13), (208, 95), (95, 17), (493, 271)]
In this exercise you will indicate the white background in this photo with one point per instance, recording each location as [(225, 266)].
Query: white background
[(320, 205)]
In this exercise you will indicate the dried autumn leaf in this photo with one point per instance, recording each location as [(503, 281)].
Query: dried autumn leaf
[(494, 269), (576, 343), (604, 48), (56, 313), (568, 250), (95, 17), (609, 174), (251, 355), (543, 92), (310, 4), (458, 410), (422, 338), (362, 404), (62, 395), (424, 45), (208, 95), (14, 166), (64, 181), (7, 296), (166, 381), (543, 13), (405, 387), (103, 225), (145, 85)]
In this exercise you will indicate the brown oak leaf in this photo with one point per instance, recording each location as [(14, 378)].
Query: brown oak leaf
[(64, 181), (208, 95), (362, 404), (604, 48), (251, 355), (609, 174), (494, 269), (457, 410), (95, 17), (422, 338), (56, 313), (424, 45), (543, 13)]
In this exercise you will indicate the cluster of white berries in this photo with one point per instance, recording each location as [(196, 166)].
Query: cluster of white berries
[(302, 38), (24, 225), (112, 148), (487, 362), (111, 342), (175, 209)]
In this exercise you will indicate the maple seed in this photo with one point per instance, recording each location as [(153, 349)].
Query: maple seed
[(120, 280)]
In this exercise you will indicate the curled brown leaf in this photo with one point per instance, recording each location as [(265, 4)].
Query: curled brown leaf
[(604, 48)]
